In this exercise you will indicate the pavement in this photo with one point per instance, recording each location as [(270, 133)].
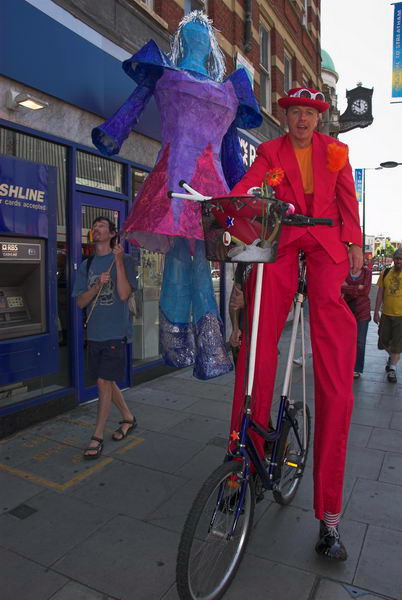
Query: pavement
[(109, 529)]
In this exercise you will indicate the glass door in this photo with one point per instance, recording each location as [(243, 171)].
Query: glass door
[(87, 209)]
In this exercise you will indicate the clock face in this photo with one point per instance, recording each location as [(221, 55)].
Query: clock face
[(359, 107)]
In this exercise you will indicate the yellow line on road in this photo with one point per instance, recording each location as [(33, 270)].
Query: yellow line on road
[(51, 484), (131, 445)]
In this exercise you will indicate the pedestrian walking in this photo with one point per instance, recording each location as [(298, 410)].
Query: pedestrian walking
[(389, 302), (104, 288), (356, 290)]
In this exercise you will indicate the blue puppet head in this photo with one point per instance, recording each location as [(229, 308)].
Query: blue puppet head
[(194, 46)]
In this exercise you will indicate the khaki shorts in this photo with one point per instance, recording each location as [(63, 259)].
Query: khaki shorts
[(390, 334)]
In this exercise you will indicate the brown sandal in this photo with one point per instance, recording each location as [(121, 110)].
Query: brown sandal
[(96, 451), (120, 431)]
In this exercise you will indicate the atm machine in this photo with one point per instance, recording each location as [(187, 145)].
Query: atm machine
[(28, 288)]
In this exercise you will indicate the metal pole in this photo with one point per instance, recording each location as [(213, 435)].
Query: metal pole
[(364, 211)]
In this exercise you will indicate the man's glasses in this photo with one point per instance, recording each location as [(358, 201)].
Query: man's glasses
[(305, 93)]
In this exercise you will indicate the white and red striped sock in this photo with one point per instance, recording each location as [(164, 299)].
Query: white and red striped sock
[(331, 520)]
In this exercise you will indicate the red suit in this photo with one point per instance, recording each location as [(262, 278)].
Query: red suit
[(333, 327)]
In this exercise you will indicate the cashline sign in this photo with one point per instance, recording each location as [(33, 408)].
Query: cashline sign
[(24, 191)]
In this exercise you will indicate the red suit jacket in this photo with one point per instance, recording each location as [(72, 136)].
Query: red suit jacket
[(334, 192)]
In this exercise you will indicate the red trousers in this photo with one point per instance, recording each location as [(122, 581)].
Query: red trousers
[(333, 337)]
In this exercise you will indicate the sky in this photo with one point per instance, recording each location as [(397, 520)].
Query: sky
[(358, 36)]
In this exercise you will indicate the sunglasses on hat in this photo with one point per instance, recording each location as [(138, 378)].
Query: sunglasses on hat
[(305, 93)]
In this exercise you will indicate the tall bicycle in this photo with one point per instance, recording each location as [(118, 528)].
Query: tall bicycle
[(218, 527)]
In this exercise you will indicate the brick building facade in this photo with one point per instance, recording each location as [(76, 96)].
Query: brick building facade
[(279, 39)]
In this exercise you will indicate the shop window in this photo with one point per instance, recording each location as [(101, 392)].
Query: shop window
[(28, 147), (190, 5), (150, 271), (305, 13), (265, 69), (288, 76), (97, 172)]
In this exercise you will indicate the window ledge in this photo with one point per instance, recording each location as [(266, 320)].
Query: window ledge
[(151, 13)]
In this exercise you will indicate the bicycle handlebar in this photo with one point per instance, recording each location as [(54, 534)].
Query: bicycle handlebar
[(302, 220)]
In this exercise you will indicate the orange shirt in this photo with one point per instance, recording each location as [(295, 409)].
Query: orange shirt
[(304, 159)]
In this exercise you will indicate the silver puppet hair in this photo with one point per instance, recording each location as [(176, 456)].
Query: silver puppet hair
[(215, 63)]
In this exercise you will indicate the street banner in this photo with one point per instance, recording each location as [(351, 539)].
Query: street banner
[(359, 184), (396, 57)]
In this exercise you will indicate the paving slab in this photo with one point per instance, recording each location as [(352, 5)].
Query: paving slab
[(196, 388), (365, 399), (396, 422), (331, 590), (288, 535), (128, 489), (57, 524), (155, 418), (392, 402), (379, 568), (162, 452), (211, 408), (391, 471), (359, 435), (14, 490), (376, 503), (23, 579), (383, 439), (173, 400), (126, 559), (202, 429), (376, 417), (76, 591), (262, 579)]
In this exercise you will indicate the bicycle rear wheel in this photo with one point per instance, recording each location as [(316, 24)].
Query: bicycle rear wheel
[(291, 459), (210, 551)]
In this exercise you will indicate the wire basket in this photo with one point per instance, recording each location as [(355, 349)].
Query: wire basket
[(242, 228)]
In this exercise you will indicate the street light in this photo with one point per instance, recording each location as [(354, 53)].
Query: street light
[(389, 164), (364, 200)]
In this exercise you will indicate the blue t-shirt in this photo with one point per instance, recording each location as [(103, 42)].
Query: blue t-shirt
[(111, 318)]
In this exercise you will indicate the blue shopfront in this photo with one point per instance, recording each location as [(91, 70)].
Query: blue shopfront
[(50, 192), (42, 350)]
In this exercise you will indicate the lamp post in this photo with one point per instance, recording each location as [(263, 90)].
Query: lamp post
[(364, 169), (389, 164)]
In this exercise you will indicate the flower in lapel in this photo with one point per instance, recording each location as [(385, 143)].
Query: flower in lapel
[(337, 156), (273, 177)]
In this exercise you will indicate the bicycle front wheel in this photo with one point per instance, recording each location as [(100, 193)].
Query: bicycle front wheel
[(291, 455), (212, 542)]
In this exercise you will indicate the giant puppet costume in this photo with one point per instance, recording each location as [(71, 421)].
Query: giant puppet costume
[(199, 114), (333, 328)]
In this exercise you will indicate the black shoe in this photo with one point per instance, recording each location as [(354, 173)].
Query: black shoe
[(329, 543), (388, 364), (392, 376)]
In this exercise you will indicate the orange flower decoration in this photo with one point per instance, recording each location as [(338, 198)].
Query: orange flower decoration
[(273, 177), (337, 156)]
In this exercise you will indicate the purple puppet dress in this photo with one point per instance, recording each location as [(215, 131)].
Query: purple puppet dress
[(195, 116), (199, 117)]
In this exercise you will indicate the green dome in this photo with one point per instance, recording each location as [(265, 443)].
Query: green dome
[(326, 62)]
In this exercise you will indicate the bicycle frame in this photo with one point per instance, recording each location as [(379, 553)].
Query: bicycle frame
[(247, 449)]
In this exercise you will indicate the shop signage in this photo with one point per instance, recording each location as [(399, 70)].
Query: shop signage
[(12, 249), (24, 196)]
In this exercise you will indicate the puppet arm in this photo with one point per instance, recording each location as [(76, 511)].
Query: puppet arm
[(232, 157), (248, 116), (109, 136)]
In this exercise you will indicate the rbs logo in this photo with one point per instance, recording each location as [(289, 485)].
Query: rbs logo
[(9, 247)]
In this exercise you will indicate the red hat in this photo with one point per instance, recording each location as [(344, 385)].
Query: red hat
[(304, 97)]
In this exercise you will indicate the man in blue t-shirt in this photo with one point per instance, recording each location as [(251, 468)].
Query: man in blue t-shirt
[(104, 286)]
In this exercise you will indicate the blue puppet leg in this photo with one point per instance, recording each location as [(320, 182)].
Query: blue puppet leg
[(211, 359), (176, 338)]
